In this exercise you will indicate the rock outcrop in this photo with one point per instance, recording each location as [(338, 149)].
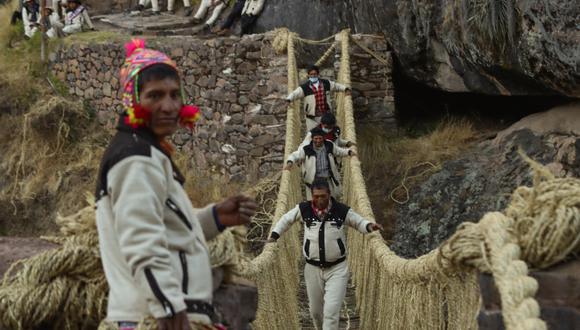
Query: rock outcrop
[(482, 180), (505, 47)]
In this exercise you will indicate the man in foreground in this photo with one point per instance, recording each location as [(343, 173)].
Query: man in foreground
[(152, 241), (326, 271)]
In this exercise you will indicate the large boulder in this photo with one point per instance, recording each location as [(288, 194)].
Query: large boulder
[(502, 47), (482, 180)]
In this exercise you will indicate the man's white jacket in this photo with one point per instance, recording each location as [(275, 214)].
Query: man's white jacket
[(324, 239), (77, 21), (305, 91), (152, 241), (307, 155)]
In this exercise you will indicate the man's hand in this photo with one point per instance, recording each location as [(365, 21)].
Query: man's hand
[(348, 92), (271, 240), (178, 322), (351, 152), (236, 210), (373, 226), (288, 166), (288, 101)]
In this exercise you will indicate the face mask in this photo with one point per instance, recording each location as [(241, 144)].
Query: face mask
[(313, 79), (326, 130)]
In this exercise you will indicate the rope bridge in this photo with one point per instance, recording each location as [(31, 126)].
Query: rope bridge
[(66, 287)]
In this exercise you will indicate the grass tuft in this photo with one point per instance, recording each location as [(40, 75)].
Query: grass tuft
[(394, 164)]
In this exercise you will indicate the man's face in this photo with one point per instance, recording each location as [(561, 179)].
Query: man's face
[(318, 140), (163, 99), (312, 74), (320, 198), (327, 127), (72, 5)]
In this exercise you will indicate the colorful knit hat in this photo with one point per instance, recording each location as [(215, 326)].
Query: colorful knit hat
[(137, 59)]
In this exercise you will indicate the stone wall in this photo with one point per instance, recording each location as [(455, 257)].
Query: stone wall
[(239, 84)]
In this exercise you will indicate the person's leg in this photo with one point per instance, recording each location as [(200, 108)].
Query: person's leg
[(336, 279), (202, 9), (155, 5), (235, 13), (215, 14), (315, 292), (170, 5), (247, 22), (187, 9)]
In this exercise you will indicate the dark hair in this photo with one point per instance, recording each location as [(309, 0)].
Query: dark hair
[(313, 67), (317, 131), (320, 183), (157, 71), (328, 119)]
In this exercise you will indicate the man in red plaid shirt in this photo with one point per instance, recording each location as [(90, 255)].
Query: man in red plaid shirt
[(315, 92)]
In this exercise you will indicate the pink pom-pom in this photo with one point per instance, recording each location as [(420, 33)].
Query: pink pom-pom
[(188, 115), (133, 45)]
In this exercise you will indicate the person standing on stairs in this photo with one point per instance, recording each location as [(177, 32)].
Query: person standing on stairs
[(170, 6), (152, 240), (204, 7), (235, 13), (326, 272), (319, 161), (315, 93)]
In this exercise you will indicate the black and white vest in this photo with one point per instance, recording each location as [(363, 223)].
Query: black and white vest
[(324, 239)]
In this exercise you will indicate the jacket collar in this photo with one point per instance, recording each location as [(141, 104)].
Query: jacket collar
[(147, 135)]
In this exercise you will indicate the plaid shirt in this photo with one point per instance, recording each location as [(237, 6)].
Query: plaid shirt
[(320, 99)]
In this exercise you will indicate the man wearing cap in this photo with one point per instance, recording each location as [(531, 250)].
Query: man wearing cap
[(331, 132), (318, 160), (152, 241), (324, 249), (315, 93)]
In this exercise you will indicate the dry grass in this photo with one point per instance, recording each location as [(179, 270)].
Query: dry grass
[(393, 164), (50, 146)]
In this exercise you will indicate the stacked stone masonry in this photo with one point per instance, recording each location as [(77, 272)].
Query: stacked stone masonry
[(238, 83)]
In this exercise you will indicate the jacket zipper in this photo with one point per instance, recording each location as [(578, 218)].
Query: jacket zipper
[(179, 213), (167, 306), (185, 280)]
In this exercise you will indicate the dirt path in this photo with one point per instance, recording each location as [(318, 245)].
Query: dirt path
[(16, 248)]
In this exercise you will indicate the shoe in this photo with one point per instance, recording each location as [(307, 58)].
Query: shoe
[(188, 11), (222, 32), (196, 20), (139, 8), (155, 13), (171, 12)]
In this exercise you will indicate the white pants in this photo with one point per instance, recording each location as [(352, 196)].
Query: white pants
[(203, 8), (312, 123), (326, 288), (30, 31), (155, 4)]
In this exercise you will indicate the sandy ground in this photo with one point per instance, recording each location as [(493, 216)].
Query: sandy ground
[(16, 248)]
